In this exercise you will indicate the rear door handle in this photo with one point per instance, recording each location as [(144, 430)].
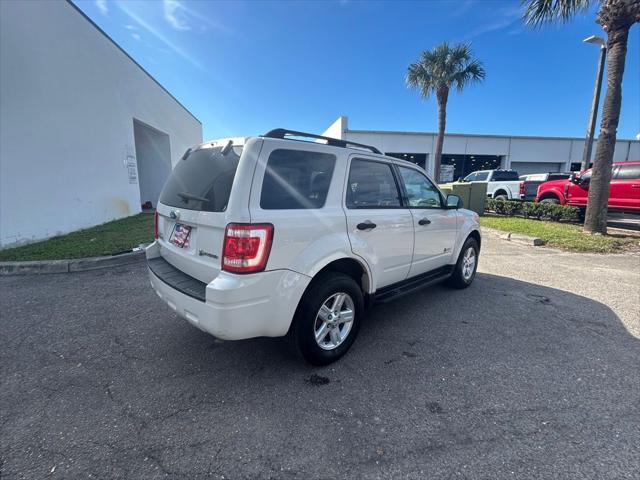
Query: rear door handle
[(424, 221), (367, 225), (635, 185)]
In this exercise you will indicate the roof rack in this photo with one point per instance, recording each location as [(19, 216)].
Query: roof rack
[(283, 133)]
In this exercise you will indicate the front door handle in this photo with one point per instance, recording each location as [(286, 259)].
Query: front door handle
[(635, 185), (367, 225), (424, 221)]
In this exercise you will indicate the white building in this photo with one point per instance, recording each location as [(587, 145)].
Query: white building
[(86, 134), (476, 152)]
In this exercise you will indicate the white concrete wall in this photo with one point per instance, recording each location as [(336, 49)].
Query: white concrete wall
[(68, 98)]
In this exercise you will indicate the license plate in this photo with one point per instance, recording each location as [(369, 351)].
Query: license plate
[(180, 235)]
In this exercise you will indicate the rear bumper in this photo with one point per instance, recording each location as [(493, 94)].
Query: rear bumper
[(238, 306)]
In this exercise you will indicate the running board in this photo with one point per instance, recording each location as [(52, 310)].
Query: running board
[(391, 292)]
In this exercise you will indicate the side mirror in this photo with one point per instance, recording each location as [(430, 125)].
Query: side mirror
[(454, 201)]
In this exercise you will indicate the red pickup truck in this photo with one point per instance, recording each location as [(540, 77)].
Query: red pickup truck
[(624, 192)]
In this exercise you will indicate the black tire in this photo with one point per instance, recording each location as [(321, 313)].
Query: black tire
[(458, 279), (305, 322), (553, 201), (502, 196)]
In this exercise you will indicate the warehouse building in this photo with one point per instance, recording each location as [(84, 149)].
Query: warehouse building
[(467, 153), (86, 134)]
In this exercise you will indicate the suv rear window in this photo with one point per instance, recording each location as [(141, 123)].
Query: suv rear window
[(202, 181), (505, 176), (296, 179)]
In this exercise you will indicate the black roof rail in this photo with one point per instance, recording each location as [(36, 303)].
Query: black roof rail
[(283, 133)]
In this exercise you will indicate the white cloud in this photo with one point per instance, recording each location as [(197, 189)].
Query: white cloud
[(500, 19), (136, 36), (129, 27), (175, 14), (102, 6), (156, 33)]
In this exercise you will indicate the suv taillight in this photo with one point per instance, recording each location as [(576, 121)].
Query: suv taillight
[(246, 247), (155, 224), (522, 188)]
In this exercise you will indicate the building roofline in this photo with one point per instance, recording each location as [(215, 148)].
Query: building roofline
[(77, 9), (528, 137)]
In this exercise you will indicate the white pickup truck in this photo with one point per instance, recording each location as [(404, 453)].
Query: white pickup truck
[(501, 184)]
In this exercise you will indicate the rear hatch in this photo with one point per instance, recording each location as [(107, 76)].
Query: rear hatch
[(192, 210)]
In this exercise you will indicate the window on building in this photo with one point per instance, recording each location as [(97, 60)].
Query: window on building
[(371, 185), (296, 179), (421, 193), (419, 159), (466, 164)]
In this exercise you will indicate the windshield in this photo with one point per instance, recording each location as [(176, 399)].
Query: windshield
[(202, 181)]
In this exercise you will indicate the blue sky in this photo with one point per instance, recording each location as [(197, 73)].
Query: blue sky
[(243, 68)]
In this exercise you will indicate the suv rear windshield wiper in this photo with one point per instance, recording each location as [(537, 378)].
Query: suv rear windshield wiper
[(188, 196)]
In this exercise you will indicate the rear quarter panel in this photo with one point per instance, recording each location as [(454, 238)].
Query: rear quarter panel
[(304, 240)]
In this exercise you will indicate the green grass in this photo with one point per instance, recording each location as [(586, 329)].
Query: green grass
[(564, 236), (106, 239)]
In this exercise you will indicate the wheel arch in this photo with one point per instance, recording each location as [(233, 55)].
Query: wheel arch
[(351, 267), (551, 194), (475, 234)]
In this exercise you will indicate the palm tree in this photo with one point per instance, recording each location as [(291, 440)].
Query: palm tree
[(616, 18), (435, 73)]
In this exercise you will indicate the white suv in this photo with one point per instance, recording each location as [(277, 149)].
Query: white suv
[(271, 235)]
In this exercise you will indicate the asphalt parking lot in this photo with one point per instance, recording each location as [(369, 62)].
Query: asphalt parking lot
[(533, 372)]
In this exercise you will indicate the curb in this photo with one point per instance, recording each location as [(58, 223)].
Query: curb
[(514, 237), (69, 266)]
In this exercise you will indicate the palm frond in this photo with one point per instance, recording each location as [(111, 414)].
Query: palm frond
[(442, 67), (538, 12)]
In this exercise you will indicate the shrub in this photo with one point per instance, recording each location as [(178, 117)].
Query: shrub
[(532, 210), (503, 207), (540, 211)]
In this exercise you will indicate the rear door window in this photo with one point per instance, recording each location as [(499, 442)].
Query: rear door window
[(296, 179), (202, 181), (482, 176), (628, 172), (505, 176), (371, 185)]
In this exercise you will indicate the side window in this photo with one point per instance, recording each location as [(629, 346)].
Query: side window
[(482, 176), (295, 179), (504, 176), (371, 185), (586, 177), (421, 193), (471, 177), (628, 172)]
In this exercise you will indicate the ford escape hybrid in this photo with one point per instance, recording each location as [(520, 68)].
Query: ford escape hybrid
[(274, 235)]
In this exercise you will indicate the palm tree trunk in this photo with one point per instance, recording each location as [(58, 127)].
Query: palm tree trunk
[(596, 216), (442, 95)]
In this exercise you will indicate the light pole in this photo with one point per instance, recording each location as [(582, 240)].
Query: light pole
[(586, 158)]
